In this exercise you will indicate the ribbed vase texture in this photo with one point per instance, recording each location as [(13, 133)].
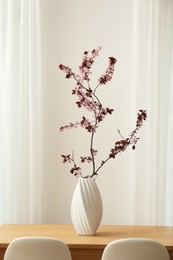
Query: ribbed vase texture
[(86, 207)]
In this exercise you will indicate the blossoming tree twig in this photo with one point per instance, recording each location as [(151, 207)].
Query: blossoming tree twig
[(87, 98)]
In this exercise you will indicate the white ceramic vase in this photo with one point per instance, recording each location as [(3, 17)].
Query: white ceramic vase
[(86, 207)]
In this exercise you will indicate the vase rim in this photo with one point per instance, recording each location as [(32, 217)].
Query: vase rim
[(87, 179)]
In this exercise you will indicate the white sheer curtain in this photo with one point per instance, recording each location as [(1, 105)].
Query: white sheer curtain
[(20, 112), (152, 75)]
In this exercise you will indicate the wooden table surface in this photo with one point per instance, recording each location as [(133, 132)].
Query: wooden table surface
[(86, 247)]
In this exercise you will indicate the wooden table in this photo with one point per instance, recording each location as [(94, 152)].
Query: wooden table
[(86, 247)]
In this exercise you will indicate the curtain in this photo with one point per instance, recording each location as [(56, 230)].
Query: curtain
[(152, 78), (20, 112)]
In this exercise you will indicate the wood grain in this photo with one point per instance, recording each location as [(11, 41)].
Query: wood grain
[(86, 247)]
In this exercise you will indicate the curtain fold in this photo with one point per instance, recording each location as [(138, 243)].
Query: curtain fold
[(20, 113), (152, 63), (169, 151)]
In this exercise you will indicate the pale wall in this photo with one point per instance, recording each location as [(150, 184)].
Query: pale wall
[(68, 29)]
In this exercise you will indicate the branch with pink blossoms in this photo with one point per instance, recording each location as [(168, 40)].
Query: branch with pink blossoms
[(88, 99)]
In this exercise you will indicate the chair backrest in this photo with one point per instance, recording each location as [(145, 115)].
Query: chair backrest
[(135, 249), (37, 248)]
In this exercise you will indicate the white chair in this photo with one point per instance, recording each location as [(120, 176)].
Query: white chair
[(135, 249), (37, 248)]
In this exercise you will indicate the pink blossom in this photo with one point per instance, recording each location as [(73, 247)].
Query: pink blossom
[(69, 126), (67, 158), (84, 122), (76, 171), (87, 62), (107, 76), (67, 70), (89, 100), (87, 159), (94, 152)]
